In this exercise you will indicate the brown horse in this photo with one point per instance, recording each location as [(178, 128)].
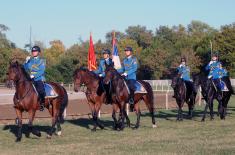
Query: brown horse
[(95, 92), (121, 95), (26, 99)]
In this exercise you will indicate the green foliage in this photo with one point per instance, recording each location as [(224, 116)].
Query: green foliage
[(158, 53)]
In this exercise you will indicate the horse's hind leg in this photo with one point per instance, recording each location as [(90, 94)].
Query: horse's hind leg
[(137, 109), (19, 124), (55, 114), (30, 125)]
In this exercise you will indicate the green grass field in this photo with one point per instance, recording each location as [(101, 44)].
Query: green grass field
[(170, 137)]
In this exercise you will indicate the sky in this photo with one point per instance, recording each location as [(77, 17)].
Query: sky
[(69, 20)]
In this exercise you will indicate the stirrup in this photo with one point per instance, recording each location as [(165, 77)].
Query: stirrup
[(131, 101), (41, 106)]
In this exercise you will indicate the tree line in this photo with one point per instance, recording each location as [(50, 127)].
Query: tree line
[(158, 51)]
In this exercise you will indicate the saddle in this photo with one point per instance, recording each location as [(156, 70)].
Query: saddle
[(221, 85), (49, 90)]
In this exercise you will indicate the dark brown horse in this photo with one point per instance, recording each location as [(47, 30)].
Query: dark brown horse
[(183, 91), (95, 92), (121, 95), (26, 99)]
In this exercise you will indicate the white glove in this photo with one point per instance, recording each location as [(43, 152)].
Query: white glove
[(31, 76), (211, 62), (100, 75), (124, 74), (180, 65), (27, 59)]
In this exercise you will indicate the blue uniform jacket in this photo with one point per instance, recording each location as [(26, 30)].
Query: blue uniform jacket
[(185, 72), (101, 68), (218, 73), (129, 67), (36, 67), (214, 69)]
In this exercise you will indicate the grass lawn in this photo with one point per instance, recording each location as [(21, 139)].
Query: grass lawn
[(170, 137)]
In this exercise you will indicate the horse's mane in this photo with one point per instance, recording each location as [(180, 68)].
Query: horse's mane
[(21, 67), (25, 73), (87, 71), (115, 71)]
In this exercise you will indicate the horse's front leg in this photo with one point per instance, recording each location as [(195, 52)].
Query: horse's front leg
[(30, 125), (94, 117), (115, 122), (19, 125), (122, 112), (97, 110), (210, 104)]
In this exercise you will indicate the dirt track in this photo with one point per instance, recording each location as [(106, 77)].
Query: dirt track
[(79, 107)]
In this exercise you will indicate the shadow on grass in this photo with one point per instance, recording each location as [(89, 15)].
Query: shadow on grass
[(171, 115), (13, 129), (88, 123)]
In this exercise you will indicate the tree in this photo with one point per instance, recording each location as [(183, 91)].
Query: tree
[(141, 35), (225, 44), (51, 54)]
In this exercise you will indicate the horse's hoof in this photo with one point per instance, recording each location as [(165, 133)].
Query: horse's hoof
[(37, 133), (212, 119), (18, 139), (154, 125), (49, 136), (93, 130), (136, 127), (101, 127), (59, 133), (203, 120)]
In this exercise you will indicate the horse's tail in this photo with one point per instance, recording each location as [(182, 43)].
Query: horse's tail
[(63, 105), (229, 85), (149, 94)]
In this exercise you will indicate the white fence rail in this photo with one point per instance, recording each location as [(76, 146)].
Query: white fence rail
[(157, 85)]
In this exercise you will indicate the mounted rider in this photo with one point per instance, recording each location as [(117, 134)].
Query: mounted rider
[(217, 72), (128, 70), (184, 70), (35, 66), (106, 60)]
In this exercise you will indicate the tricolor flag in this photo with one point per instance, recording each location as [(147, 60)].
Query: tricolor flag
[(116, 59), (91, 56)]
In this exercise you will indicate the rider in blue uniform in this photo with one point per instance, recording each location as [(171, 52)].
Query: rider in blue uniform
[(101, 72), (216, 72), (129, 69), (184, 71), (35, 66)]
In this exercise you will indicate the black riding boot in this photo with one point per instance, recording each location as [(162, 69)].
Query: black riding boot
[(131, 101), (41, 93), (42, 102)]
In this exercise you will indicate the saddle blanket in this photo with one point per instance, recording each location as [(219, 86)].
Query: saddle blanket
[(139, 88), (49, 90)]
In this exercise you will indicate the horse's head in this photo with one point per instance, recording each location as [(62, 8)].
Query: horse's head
[(14, 73), (78, 79), (175, 79), (109, 73)]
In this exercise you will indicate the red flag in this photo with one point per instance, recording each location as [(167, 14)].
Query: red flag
[(91, 56)]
